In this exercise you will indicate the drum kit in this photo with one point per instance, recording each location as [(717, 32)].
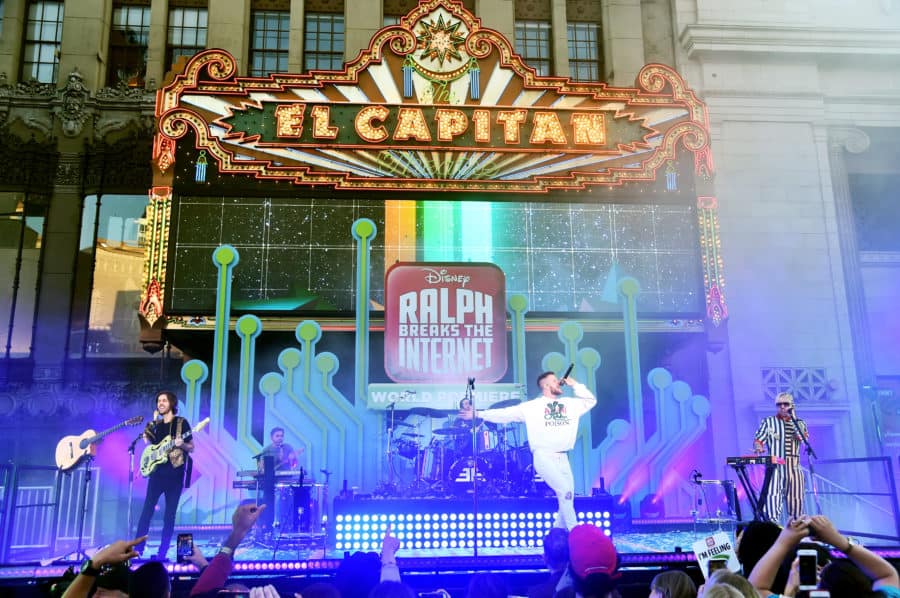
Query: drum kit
[(461, 458)]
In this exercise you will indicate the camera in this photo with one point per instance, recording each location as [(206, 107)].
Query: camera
[(184, 547)]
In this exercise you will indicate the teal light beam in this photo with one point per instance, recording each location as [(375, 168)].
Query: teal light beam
[(629, 289), (363, 231), (518, 307), (225, 258), (193, 374), (248, 329)]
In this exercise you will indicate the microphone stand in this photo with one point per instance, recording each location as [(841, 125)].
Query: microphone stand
[(810, 455), (131, 481), (470, 386), (389, 488)]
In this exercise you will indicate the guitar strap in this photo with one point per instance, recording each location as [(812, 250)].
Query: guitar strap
[(188, 461)]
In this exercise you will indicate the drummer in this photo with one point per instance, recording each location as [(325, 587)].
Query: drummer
[(283, 454), (463, 442)]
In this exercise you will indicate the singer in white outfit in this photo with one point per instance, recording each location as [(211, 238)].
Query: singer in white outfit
[(551, 422)]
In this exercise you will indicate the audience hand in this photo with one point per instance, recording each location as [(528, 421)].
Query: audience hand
[(117, 552), (245, 517), (792, 585), (196, 557), (389, 546), (795, 531), (264, 592), (823, 529)]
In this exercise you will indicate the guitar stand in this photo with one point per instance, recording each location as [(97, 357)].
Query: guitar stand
[(79, 554)]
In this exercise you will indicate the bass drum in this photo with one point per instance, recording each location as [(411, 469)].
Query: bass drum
[(435, 462), (466, 471)]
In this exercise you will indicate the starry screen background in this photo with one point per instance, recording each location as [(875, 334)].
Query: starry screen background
[(298, 255)]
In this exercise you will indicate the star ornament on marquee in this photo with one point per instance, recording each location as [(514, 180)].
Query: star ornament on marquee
[(440, 41)]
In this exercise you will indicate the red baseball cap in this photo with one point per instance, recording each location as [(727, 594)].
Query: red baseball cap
[(591, 551)]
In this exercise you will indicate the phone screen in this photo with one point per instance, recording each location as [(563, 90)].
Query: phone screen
[(808, 574), (184, 547)]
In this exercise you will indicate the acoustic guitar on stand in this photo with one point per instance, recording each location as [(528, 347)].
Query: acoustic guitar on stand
[(156, 454), (72, 449)]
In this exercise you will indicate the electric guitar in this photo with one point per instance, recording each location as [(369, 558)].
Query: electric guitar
[(156, 454), (71, 450)]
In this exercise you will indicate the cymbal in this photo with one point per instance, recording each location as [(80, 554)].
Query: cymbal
[(405, 425), (427, 412), (450, 431), (408, 435), (506, 403)]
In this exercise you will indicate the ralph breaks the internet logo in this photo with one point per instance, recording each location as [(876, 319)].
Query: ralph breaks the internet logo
[(445, 322)]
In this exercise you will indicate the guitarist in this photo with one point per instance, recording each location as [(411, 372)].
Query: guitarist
[(168, 478)]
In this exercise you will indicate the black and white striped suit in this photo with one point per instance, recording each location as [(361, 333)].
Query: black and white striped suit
[(782, 439)]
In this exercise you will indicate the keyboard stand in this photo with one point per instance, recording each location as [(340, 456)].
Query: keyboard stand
[(757, 501)]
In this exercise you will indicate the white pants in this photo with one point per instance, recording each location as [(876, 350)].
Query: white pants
[(556, 471)]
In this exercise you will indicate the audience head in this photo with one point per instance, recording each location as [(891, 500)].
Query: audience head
[(738, 582), (390, 589), (843, 578), (358, 574), (673, 584), (150, 580), (753, 542), (593, 562), (556, 548), (113, 583), (487, 585), (721, 591)]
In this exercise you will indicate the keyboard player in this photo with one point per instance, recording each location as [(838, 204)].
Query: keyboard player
[(782, 434), (279, 492)]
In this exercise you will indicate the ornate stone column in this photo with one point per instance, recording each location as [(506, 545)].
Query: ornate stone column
[(60, 249), (840, 141)]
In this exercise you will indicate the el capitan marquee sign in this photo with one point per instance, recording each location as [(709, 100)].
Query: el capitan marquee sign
[(435, 103)]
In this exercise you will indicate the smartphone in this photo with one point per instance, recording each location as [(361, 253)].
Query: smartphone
[(809, 578), (184, 547)]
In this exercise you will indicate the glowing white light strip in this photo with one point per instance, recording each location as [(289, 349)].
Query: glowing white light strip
[(495, 87), (384, 78)]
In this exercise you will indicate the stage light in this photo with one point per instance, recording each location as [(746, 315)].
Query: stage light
[(652, 507), (621, 514)]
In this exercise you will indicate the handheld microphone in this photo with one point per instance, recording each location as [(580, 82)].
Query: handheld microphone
[(562, 380)]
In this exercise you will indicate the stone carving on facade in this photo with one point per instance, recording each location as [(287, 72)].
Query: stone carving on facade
[(119, 398), (25, 89), (33, 119), (72, 110), (133, 123), (851, 139), (18, 104), (68, 172), (122, 91)]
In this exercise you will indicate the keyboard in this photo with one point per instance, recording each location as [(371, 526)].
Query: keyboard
[(283, 473), (754, 460)]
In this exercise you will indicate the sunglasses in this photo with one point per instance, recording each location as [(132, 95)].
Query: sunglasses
[(783, 404)]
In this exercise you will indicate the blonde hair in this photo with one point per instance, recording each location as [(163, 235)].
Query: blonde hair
[(786, 396), (721, 591)]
